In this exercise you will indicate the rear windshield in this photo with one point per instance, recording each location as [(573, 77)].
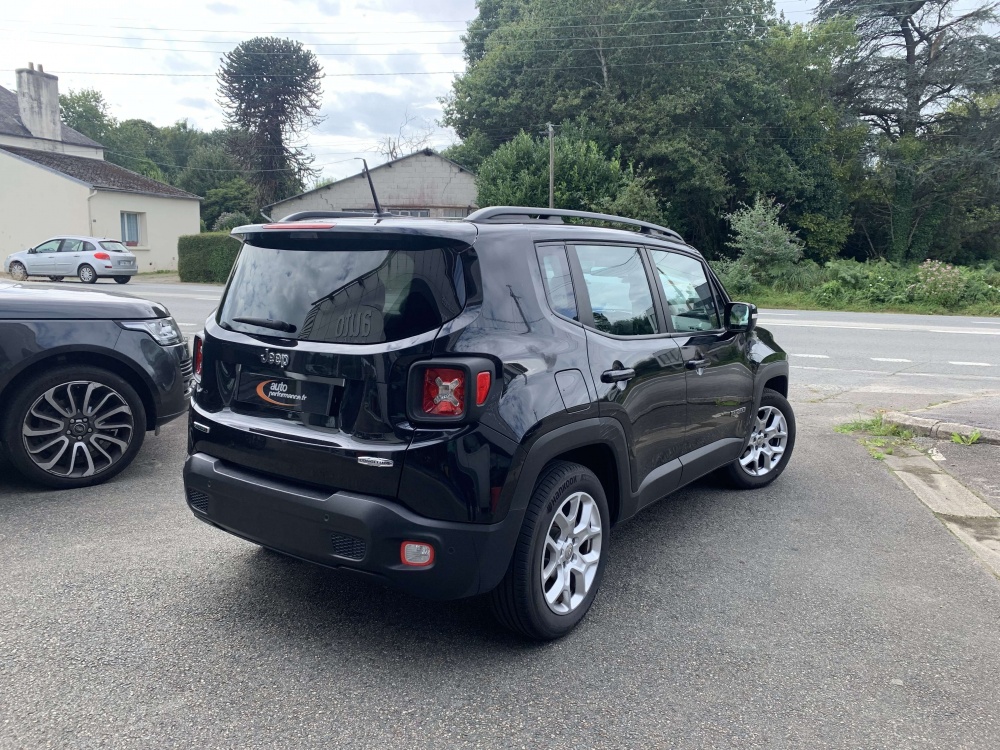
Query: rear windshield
[(114, 247), (343, 293)]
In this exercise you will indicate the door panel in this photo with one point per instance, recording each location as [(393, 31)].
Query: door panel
[(651, 406), (719, 372), (68, 257), (43, 260)]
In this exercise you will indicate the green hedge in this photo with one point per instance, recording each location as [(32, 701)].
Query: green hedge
[(206, 257)]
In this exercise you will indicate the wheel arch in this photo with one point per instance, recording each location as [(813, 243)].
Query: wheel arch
[(83, 357), (597, 443)]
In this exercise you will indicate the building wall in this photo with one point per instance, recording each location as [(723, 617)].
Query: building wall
[(59, 147), (162, 221), (420, 181), (36, 204)]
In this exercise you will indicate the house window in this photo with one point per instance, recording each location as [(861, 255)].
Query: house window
[(131, 228), (455, 213), (423, 212)]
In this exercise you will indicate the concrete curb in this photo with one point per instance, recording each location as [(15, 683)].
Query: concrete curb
[(938, 429)]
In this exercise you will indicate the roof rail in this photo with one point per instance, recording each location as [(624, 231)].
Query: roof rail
[(519, 214), (303, 215)]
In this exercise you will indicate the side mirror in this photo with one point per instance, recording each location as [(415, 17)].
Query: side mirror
[(31, 251), (741, 316)]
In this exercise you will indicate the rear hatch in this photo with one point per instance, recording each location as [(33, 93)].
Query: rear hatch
[(305, 364)]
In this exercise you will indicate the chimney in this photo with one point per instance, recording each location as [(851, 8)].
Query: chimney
[(38, 102)]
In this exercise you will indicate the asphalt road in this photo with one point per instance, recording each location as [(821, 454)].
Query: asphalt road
[(828, 610)]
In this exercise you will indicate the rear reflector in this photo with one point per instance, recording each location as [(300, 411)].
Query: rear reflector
[(416, 554), (443, 392), (298, 225), (482, 388)]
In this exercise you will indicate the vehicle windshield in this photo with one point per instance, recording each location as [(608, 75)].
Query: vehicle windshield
[(114, 246), (345, 294)]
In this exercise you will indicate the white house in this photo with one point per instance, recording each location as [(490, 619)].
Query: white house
[(421, 184), (54, 180)]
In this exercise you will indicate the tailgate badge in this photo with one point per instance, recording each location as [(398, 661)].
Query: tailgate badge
[(381, 463)]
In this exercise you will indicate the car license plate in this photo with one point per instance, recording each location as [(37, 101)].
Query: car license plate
[(124, 263), (285, 393)]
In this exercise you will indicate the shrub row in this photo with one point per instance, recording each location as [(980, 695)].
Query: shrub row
[(206, 257), (840, 283)]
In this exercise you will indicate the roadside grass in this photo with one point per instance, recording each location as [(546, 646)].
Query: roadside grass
[(878, 437), (970, 439), (804, 301)]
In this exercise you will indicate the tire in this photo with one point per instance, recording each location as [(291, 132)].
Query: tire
[(57, 278), (94, 434), (757, 467), (122, 279), (18, 272), (86, 274), (541, 608)]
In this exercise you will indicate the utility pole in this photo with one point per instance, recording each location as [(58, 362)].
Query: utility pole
[(552, 166)]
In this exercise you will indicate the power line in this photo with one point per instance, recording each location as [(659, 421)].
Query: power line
[(698, 14)]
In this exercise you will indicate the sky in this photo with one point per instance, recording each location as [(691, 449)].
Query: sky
[(385, 61)]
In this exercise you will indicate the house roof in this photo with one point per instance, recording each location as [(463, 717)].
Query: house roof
[(421, 152), (10, 123), (97, 173)]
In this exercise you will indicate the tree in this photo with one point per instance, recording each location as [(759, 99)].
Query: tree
[(271, 92), (517, 174), (235, 196), (408, 140), (718, 102), (87, 111), (767, 248), (914, 76)]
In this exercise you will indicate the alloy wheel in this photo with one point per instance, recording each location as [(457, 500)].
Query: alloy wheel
[(78, 429), (17, 272), (768, 441), (86, 274), (571, 553)]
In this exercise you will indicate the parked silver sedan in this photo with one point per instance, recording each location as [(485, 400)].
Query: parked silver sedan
[(87, 258)]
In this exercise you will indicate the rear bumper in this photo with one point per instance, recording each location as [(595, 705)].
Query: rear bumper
[(346, 530)]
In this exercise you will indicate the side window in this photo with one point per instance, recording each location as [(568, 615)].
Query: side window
[(690, 301), (558, 281), (48, 247), (620, 297), (71, 246), (89, 248)]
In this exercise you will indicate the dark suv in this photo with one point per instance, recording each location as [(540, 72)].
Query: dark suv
[(83, 376), (463, 407)]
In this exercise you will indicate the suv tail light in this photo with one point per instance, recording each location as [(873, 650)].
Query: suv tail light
[(452, 390), (197, 356), (444, 392)]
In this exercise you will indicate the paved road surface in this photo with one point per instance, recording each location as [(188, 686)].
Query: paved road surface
[(828, 610)]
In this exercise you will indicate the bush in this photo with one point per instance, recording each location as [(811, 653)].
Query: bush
[(206, 258), (229, 220)]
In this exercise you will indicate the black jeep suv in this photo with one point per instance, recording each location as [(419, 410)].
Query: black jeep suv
[(463, 407)]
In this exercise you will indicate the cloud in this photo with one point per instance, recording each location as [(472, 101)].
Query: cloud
[(195, 102), (223, 9), (440, 10), (370, 114), (328, 7)]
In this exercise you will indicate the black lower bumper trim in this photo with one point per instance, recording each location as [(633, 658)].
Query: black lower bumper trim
[(348, 530)]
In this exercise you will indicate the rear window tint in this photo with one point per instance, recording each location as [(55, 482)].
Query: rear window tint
[(114, 247), (344, 296)]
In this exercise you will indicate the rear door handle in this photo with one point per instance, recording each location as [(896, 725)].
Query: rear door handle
[(695, 364), (615, 376)]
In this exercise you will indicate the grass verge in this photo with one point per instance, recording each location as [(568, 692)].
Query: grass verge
[(805, 301)]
